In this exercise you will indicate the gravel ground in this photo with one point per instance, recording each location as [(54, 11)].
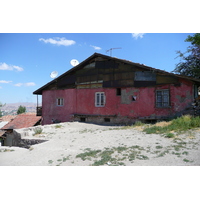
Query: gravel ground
[(82, 144)]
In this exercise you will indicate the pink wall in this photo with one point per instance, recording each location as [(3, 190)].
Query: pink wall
[(82, 101), (51, 110)]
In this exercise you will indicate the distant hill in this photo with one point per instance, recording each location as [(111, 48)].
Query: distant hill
[(30, 107)]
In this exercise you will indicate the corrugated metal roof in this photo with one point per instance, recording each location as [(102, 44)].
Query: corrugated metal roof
[(22, 121)]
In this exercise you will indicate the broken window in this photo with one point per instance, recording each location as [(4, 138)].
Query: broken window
[(134, 98), (60, 102), (118, 91), (162, 98), (99, 99)]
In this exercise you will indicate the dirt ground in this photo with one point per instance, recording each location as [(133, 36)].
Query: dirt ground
[(83, 144)]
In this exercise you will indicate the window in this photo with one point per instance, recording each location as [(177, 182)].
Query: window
[(162, 98), (60, 102), (100, 99)]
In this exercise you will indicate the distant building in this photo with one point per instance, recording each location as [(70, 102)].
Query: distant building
[(23, 120), (107, 89)]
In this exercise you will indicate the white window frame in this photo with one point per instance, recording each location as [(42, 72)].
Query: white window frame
[(165, 98), (59, 102), (100, 99)]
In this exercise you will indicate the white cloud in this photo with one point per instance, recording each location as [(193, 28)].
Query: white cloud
[(29, 84), (137, 35), (58, 41), (3, 81), (95, 47), (18, 68), (4, 66), (18, 84), (25, 84)]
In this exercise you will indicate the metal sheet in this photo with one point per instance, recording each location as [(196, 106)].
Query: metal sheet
[(145, 76), (2, 132)]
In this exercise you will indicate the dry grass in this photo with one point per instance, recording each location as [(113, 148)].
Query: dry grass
[(163, 123), (158, 124), (139, 128)]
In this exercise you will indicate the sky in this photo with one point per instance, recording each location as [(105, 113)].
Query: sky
[(27, 59)]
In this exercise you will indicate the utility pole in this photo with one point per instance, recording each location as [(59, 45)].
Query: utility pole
[(111, 50)]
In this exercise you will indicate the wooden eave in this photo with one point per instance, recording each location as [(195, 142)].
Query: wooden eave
[(79, 66), (95, 55)]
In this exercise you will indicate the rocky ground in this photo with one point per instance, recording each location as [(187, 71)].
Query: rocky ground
[(82, 144)]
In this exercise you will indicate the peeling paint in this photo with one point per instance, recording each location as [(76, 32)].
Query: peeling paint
[(82, 101), (126, 97), (182, 98)]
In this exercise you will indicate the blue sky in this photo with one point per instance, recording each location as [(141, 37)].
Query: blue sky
[(27, 59)]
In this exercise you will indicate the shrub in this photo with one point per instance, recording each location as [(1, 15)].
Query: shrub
[(105, 158), (89, 153), (138, 123), (169, 135), (132, 156), (37, 130), (183, 123), (58, 126), (159, 147)]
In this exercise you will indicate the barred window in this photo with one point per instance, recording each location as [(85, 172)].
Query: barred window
[(162, 98), (100, 99)]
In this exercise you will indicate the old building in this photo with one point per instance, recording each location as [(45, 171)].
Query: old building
[(8, 135), (107, 89)]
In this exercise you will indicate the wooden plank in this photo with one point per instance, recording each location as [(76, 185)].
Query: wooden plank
[(166, 79), (144, 83)]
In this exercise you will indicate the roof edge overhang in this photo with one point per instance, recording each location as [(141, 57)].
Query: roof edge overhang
[(82, 64), (39, 91)]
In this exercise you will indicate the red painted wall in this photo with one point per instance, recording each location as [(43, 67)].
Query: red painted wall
[(51, 111), (82, 101)]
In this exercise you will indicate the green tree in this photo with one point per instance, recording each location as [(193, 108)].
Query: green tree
[(21, 109), (190, 60)]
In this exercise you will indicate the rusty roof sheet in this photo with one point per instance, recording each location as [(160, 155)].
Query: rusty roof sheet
[(22, 121)]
